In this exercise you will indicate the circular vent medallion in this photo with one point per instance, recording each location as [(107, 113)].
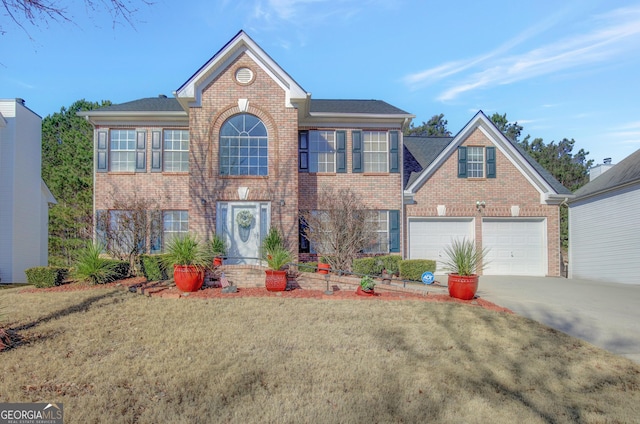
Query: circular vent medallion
[(244, 75)]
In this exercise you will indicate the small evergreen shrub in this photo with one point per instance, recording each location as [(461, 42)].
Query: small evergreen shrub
[(121, 269), (367, 266), (153, 267), (308, 267), (375, 265), (412, 269), (46, 276)]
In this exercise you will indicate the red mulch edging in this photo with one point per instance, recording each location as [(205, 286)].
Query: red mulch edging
[(154, 289)]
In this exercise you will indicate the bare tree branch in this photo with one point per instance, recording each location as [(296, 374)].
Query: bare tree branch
[(35, 12)]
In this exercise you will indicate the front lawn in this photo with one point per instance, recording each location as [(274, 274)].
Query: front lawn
[(112, 356)]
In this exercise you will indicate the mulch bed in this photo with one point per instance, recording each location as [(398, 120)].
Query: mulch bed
[(163, 289)]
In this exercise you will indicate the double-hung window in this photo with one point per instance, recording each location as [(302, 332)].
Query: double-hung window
[(379, 224), (175, 224), (476, 162), (176, 151), (376, 151), (123, 150), (322, 151)]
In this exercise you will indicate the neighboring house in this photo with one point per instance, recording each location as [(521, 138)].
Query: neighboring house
[(604, 225), (479, 185), (24, 197), (242, 135)]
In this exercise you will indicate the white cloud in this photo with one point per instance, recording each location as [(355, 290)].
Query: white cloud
[(613, 34)]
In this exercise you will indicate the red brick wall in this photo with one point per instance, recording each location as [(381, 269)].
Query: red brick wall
[(219, 102), (459, 195)]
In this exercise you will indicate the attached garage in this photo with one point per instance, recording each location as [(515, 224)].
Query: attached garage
[(518, 246), (428, 237)]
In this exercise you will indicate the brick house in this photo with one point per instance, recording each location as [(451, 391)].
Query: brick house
[(482, 186), (241, 136)]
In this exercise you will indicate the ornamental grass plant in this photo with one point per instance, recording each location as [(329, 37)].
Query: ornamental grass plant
[(91, 267), (186, 250), (463, 257)]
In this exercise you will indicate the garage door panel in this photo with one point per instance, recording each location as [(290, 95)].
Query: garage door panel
[(517, 246), (429, 236)]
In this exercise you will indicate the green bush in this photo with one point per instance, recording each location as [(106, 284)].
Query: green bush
[(367, 266), (90, 266), (121, 269), (375, 265), (153, 267), (412, 269), (46, 276), (308, 267)]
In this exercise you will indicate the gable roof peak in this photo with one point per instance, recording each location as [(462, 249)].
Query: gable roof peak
[(190, 93)]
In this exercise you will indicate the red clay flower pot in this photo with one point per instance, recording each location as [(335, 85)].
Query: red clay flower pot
[(323, 268), (361, 292), (463, 286), (188, 278), (275, 280)]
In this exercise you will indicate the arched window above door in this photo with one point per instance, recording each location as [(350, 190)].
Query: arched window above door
[(244, 146)]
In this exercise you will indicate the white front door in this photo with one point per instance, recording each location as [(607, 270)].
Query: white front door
[(243, 225)]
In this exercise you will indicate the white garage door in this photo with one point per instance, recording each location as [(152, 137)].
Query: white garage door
[(518, 246), (429, 236)]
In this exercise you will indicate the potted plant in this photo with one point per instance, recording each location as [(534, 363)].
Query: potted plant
[(323, 265), (276, 276), (366, 287), (463, 259), (277, 256), (188, 259), (217, 249)]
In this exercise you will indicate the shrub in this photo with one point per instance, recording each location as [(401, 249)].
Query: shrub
[(122, 269), (153, 267), (375, 265), (308, 267), (46, 276), (95, 269), (412, 269), (367, 266)]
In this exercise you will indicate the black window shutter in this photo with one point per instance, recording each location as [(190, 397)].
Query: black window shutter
[(101, 227), (341, 151), (394, 147), (156, 151), (491, 162), (356, 139), (102, 152), (462, 162), (141, 151), (394, 231), (303, 151)]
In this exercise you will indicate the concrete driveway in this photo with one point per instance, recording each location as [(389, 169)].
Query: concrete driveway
[(604, 314)]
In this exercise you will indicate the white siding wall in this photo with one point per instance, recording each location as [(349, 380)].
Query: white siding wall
[(7, 134), (20, 192), (604, 237)]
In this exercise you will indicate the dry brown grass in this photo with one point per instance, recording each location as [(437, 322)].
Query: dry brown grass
[(112, 356)]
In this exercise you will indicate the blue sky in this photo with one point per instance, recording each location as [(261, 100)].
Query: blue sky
[(561, 69)]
